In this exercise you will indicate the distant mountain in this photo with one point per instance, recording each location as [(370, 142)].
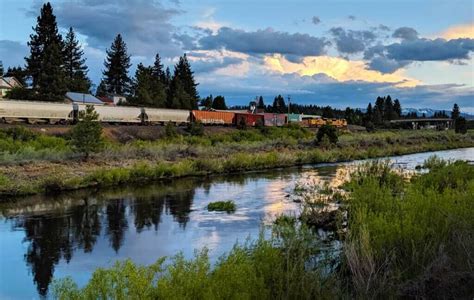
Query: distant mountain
[(429, 112)]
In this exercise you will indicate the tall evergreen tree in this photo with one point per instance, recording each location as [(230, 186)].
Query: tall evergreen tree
[(260, 103), (116, 65), (219, 103), (147, 88), (167, 76), (158, 69), (397, 108), (455, 113), (101, 89), (389, 113), (74, 65), (51, 81), (184, 74), (207, 102), (1, 68), (45, 35), (177, 96), (279, 105)]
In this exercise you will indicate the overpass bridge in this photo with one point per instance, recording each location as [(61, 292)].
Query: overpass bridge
[(438, 123)]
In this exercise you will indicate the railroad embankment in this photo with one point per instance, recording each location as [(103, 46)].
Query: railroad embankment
[(42, 160)]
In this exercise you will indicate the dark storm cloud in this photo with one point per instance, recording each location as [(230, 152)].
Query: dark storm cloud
[(352, 41), (389, 58), (405, 33), (12, 53), (264, 42), (145, 25), (316, 20)]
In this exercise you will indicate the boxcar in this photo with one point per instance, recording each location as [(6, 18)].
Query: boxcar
[(295, 118), (163, 115), (251, 120), (213, 117), (35, 111), (271, 119), (117, 114)]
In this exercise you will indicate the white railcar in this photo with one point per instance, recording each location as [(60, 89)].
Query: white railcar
[(35, 112), (117, 114), (164, 115)]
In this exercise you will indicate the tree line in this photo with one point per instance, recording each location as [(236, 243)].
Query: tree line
[(56, 65)]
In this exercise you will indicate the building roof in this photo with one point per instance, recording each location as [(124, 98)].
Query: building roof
[(82, 98), (9, 82)]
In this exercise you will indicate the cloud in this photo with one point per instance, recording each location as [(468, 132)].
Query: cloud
[(352, 41), (388, 58), (405, 33), (145, 25), (351, 17), (202, 66), (316, 20), (460, 31), (264, 42), (338, 68), (384, 27), (12, 53)]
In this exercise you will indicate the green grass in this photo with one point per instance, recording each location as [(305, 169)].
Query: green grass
[(227, 206)]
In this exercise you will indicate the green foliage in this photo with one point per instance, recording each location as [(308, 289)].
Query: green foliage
[(227, 206), (116, 65), (219, 103), (74, 65), (148, 88), (20, 93), (86, 136), (410, 238), (170, 130), (460, 125), (195, 129), (327, 132)]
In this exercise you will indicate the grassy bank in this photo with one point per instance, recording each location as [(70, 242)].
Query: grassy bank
[(33, 163), (403, 238)]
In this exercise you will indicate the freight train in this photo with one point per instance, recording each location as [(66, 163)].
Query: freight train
[(33, 112)]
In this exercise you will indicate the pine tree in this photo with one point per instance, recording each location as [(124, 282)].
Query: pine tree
[(116, 65), (158, 69), (51, 81), (147, 88), (455, 113), (279, 105), (74, 65), (178, 97), (397, 108), (86, 135), (46, 34), (1, 68), (184, 74), (207, 102), (389, 113), (101, 89), (260, 103), (219, 103)]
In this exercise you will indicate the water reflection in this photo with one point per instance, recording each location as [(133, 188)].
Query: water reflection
[(72, 234)]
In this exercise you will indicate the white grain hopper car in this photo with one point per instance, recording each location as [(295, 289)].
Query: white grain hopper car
[(33, 112), (62, 113)]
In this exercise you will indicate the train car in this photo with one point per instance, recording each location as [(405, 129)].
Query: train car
[(164, 115), (213, 117), (339, 123), (118, 114), (34, 112), (250, 120), (271, 119), (314, 122), (295, 118)]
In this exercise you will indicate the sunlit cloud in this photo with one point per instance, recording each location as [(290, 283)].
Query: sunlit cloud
[(459, 31), (338, 68)]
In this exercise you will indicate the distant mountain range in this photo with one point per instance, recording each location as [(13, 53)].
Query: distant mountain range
[(429, 112)]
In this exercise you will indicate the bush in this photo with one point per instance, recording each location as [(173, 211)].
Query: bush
[(327, 132), (227, 206), (195, 129), (460, 125), (170, 130), (86, 136)]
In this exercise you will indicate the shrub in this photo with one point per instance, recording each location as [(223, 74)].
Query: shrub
[(329, 132), (86, 136), (195, 129), (460, 125), (170, 130), (227, 206)]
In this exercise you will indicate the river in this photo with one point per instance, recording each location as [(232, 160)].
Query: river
[(71, 234)]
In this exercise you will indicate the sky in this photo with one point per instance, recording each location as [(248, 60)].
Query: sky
[(326, 52)]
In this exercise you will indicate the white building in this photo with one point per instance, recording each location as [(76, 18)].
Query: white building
[(8, 83)]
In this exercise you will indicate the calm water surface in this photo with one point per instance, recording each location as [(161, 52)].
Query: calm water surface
[(72, 234)]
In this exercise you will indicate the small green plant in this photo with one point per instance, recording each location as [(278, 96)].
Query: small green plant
[(227, 206), (170, 130), (195, 129), (86, 136), (327, 134)]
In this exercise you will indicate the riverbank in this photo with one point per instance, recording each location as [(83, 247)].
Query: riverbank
[(403, 238), (36, 163)]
